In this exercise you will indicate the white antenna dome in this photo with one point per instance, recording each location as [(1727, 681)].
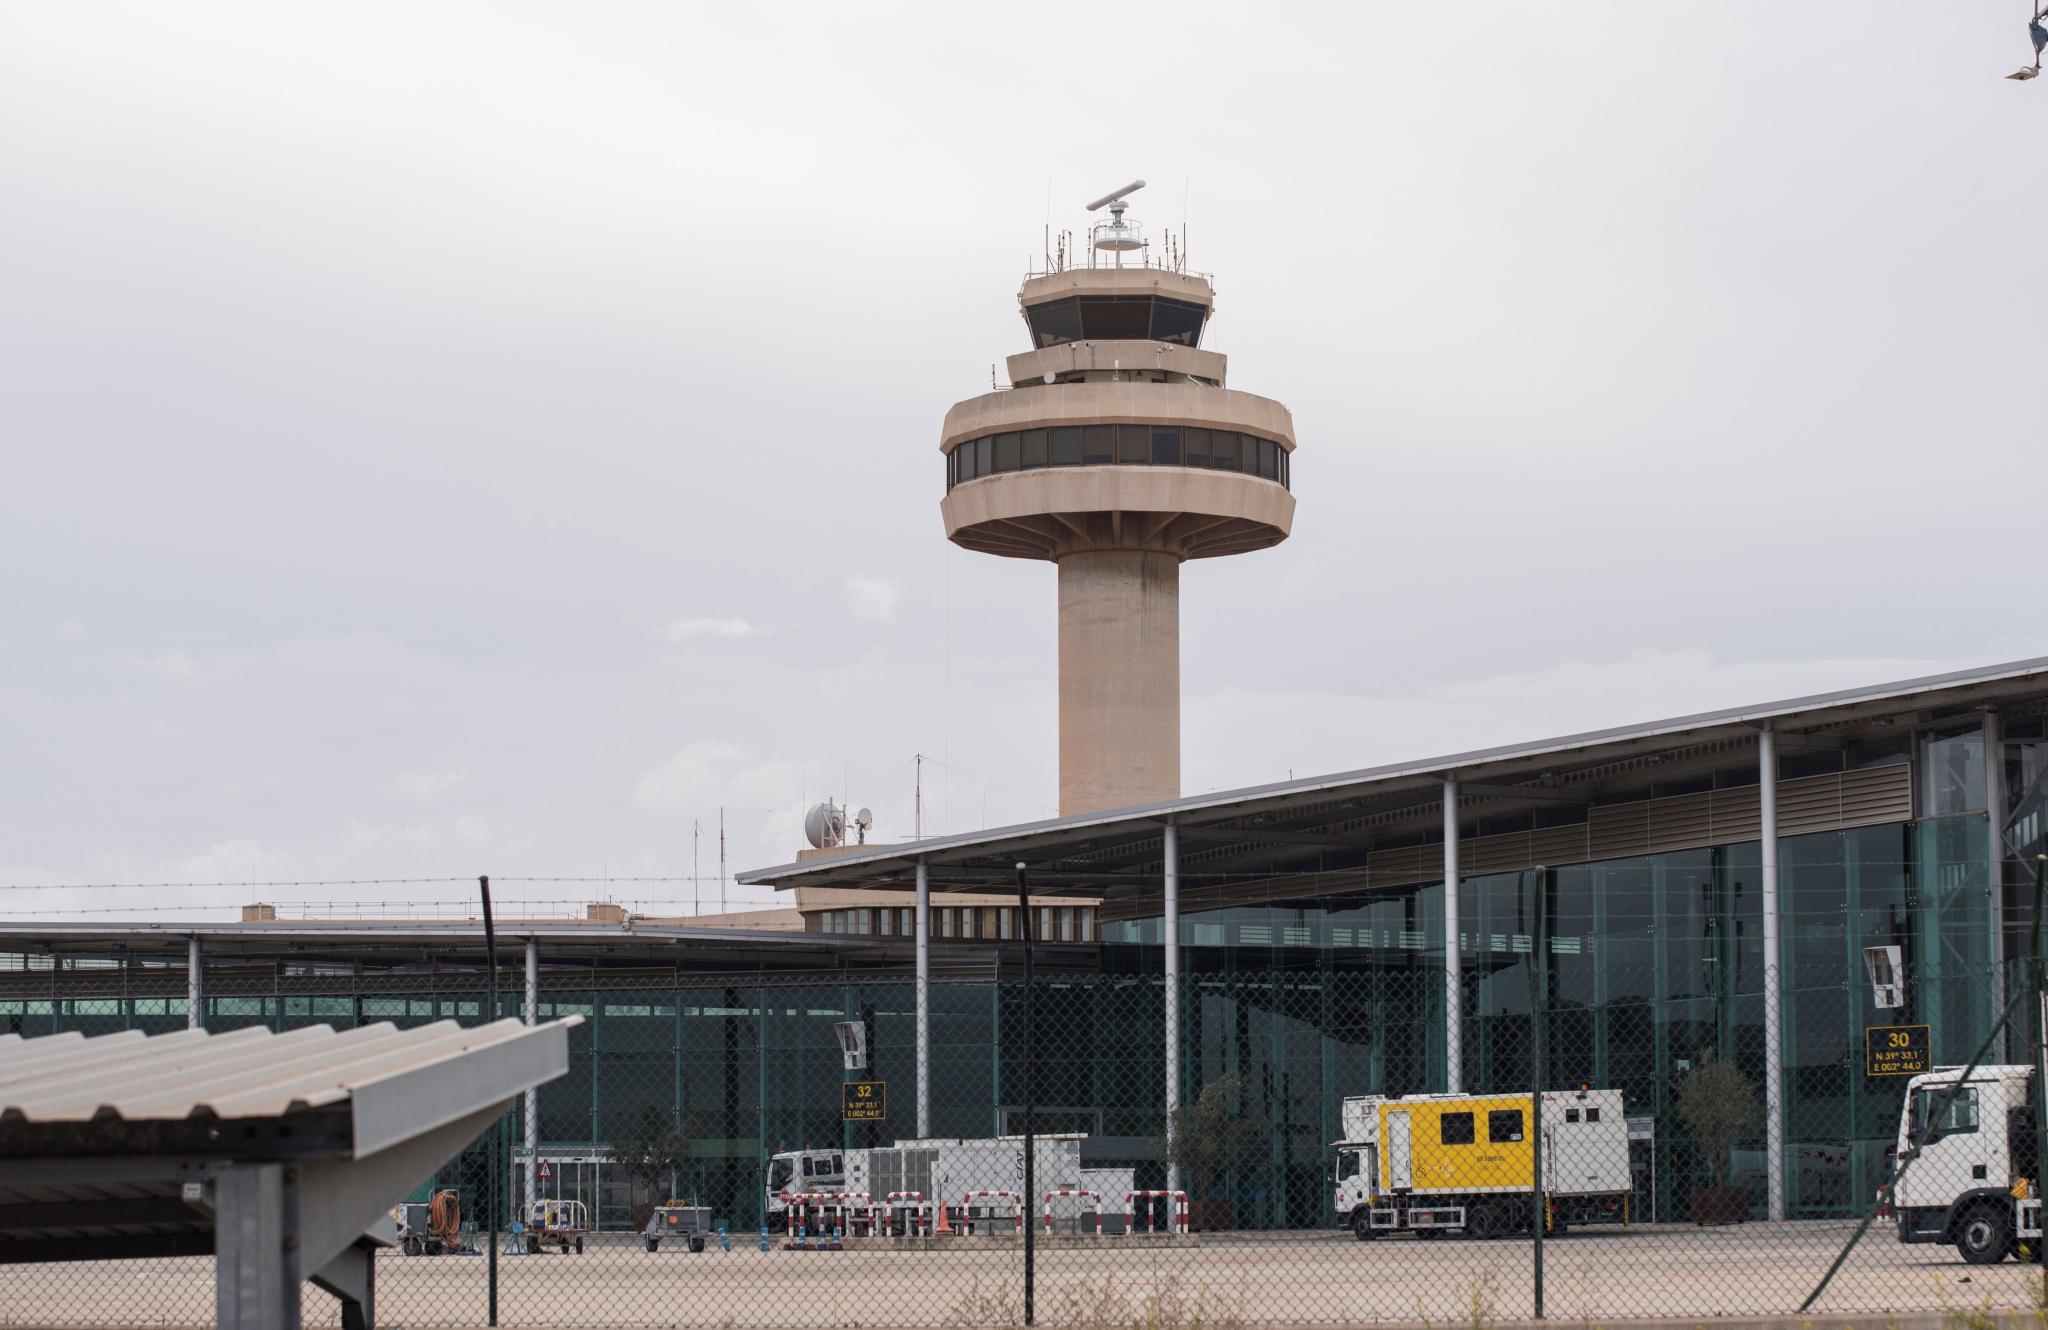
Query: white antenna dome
[(825, 825)]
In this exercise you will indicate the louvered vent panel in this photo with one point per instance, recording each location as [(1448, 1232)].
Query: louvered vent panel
[(1680, 822), (1558, 845), (1738, 815), (1490, 854), (1618, 831), (1405, 864), (1877, 794), (1811, 803)]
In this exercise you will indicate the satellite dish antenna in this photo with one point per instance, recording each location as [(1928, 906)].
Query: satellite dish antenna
[(863, 820)]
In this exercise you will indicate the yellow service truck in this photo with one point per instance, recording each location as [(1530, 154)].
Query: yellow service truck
[(1459, 1163)]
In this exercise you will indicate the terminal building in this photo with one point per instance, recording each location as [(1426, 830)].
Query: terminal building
[(1297, 935), (1709, 885)]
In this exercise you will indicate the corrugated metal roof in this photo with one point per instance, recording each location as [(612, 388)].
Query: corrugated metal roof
[(248, 1073)]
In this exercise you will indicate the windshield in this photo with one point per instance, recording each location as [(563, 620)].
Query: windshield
[(778, 1174), (1960, 1114)]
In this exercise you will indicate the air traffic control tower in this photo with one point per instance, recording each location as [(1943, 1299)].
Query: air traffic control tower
[(1118, 454)]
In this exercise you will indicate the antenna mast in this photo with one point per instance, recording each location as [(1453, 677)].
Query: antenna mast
[(721, 858)]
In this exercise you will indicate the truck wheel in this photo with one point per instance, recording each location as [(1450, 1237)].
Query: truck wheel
[(696, 1244), (579, 1246), (1984, 1236), (533, 1244), (1361, 1223), (653, 1243), (1485, 1221)]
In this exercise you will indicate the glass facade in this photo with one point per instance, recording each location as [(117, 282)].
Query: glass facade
[(1118, 445), (1655, 962)]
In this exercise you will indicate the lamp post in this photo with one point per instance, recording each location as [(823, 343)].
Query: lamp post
[(2037, 31)]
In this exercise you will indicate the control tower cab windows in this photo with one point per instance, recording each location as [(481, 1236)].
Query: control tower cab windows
[(1117, 445), (1116, 319)]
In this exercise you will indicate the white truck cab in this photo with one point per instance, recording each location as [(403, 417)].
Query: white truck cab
[(796, 1172), (1976, 1160)]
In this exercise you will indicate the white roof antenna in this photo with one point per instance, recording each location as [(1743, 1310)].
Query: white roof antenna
[(1116, 236)]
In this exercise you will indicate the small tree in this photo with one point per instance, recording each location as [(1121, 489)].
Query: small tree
[(1717, 1104), (650, 1150), (1207, 1134)]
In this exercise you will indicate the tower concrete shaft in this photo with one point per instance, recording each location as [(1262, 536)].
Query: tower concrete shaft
[(1118, 454), (1119, 678)]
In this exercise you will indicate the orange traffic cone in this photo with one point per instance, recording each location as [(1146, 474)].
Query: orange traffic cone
[(943, 1227)]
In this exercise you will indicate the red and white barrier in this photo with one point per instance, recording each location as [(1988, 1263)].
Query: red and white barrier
[(849, 1204), (921, 1212), (1016, 1199), (1177, 1219), (1086, 1195)]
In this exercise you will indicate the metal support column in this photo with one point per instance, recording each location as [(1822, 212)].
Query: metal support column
[(924, 1001), (1170, 870), (1774, 997), (256, 1247), (533, 1095), (1454, 1014), (195, 991), (1994, 813)]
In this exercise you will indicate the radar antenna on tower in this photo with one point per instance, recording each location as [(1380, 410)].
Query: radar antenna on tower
[(1116, 236)]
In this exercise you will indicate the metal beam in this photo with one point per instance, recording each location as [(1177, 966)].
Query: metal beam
[(1811, 743), (195, 992), (1994, 812), (1554, 794), (256, 1247), (137, 1212), (1774, 1001), (924, 1001), (26, 1251), (1454, 1005), (1275, 836), (1170, 875), (532, 1132), (352, 1278)]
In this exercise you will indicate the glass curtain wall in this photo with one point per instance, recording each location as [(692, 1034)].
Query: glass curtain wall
[(1656, 964)]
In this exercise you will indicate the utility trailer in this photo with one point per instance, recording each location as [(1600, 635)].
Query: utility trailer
[(688, 1224), (1432, 1164)]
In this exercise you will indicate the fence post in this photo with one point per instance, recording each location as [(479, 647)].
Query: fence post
[(2037, 1011), (1030, 1104), (195, 986), (1539, 1024), (498, 1129)]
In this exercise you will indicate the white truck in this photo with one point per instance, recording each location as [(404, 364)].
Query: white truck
[(1976, 1183), (947, 1170), (1465, 1163)]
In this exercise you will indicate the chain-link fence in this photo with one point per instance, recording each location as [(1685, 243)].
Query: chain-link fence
[(1606, 1149)]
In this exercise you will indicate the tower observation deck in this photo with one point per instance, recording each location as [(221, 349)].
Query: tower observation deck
[(1117, 453)]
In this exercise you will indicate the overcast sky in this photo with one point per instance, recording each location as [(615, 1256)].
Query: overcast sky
[(480, 438)]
